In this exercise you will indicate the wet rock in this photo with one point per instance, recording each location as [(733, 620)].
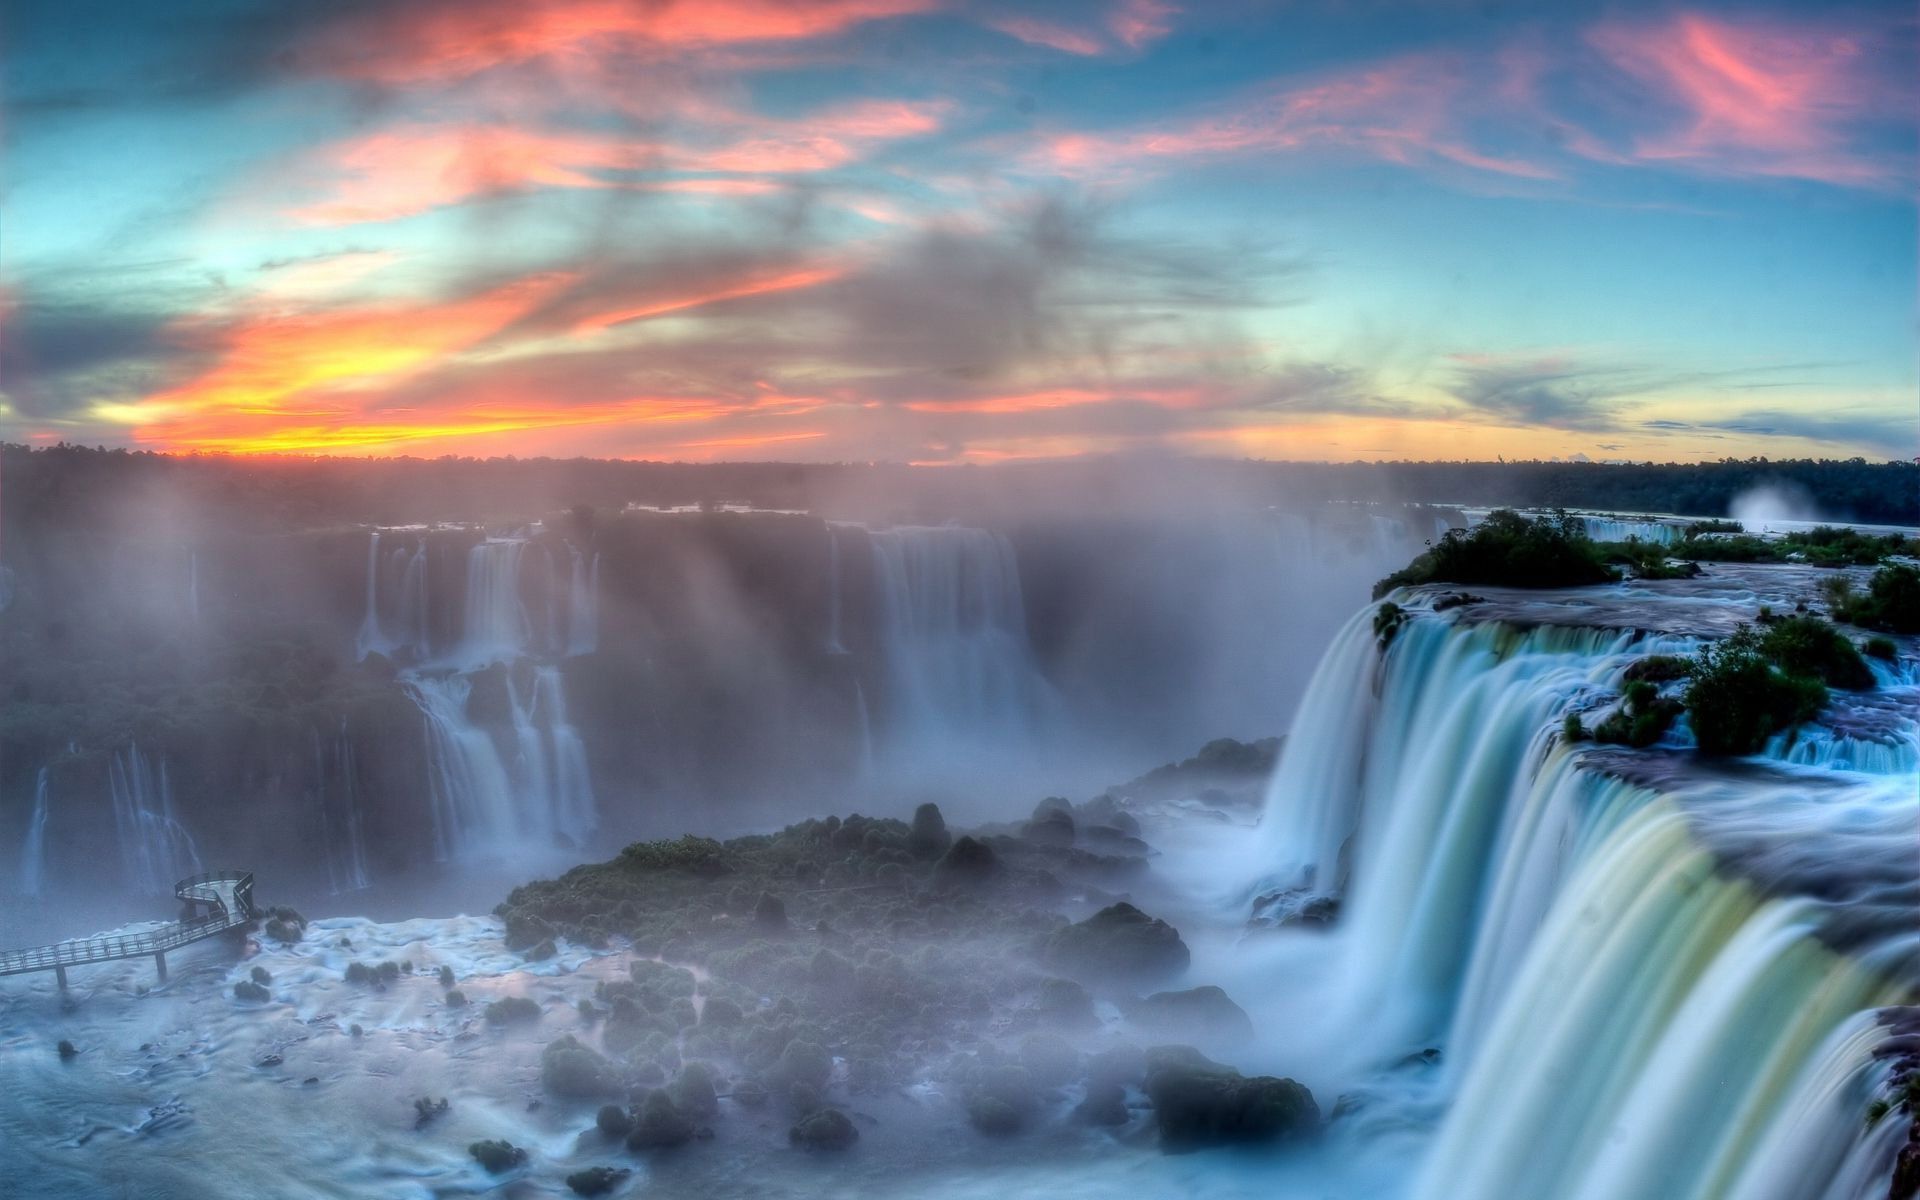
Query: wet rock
[(928, 838), (693, 1090), (542, 952), (771, 913), (526, 930), (261, 976), (1124, 1063), (570, 1069), (66, 1050), (512, 1010), (427, 1110), (968, 860), (722, 1013), (993, 1116), (1064, 1004), (614, 1121), (659, 1124), (1300, 907), (1052, 827), (802, 1062), (1120, 944), (1106, 1104), (247, 989), (1049, 1060), (1204, 1012), (1199, 1103), (497, 1156), (828, 1129), (597, 1181)]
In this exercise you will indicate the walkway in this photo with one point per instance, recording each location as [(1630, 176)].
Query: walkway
[(221, 900)]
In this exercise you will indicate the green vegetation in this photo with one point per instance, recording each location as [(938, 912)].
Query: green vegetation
[(512, 1009), (1714, 526), (1739, 696), (1892, 601), (1509, 550), (1643, 718), (1808, 646), (1826, 546), (1387, 620), (1881, 648)]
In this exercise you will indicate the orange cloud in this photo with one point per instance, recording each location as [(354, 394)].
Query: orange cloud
[(1053, 398), (454, 39), (1759, 98), (1044, 33), (272, 371), (803, 277), (413, 169), (1403, 111)]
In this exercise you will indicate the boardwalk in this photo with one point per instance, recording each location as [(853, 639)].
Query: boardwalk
[(220, 900)]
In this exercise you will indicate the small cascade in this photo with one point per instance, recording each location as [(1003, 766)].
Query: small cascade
[(339, 808), (33, 850), (834, 644), (583, 604), (369, 640), (496, 628), (953, 629), (495, 794), (865, 726), (156, 851), (1612, 529), (412, 616)]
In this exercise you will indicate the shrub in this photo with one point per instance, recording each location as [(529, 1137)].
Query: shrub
[(1739, 698), (1881, 648), (1804, 645), (512, 1008), (1571, 729), (570, 1069), (1892, 602), (1508, 550), (1387, 620)]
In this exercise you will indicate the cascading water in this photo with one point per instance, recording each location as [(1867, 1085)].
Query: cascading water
[(1648, 974), (155, 849), (33, 850), (338, 804), (369, 640), (1613, 529), (493, 796), (834, 644), (953, 630), (583, 604), (495, 628)]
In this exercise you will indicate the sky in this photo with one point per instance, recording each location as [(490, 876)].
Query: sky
[(936, 231)]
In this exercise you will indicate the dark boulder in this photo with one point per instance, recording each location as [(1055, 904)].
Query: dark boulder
[(570, 1069), (968, 861), (1064, 1004), (928, 838), (497, 1156), (597, 1181), (1199, 1103), (1119, 944), (1204, 1012), (1052, 827), (1106, 1104), (659, 1124), (828, 1129)]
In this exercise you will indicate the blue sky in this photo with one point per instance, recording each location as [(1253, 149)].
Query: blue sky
[(942, 232)]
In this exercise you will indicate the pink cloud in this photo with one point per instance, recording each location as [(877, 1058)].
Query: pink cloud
[(1753, 97), (1409, 110), (1141, 22), (1044, 33)]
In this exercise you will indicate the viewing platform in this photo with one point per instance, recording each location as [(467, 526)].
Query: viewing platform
[(221, 900)]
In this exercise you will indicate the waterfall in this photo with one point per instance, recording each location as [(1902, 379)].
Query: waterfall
[(496, 628), (33, 851), (583, 604), (1651, 975), (495, 795), (369, 641), (413, 602), (834, 643), (156, 851), (865, 725), (953, 630), (1612, 529), (339, 808), (193, 586)]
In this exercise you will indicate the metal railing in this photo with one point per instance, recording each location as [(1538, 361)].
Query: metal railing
[(200, 889)]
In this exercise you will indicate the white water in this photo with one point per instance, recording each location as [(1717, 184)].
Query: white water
[(339, 808), (953, 629), (33, 851), (1614, 529), (499, 796), (156, 851), (583, 604), (1619, 1020), (495, 626), (369, 641), (834, 644)]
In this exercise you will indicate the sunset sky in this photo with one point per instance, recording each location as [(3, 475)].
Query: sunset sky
[(926, 231)]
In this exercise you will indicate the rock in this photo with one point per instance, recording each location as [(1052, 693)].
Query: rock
[(570, 1069), (283, 931), (968, 861), (1204, 1012), (1295, 907), (427, 1110), (1050, 828), (544, 951), (497, 1156), (512, 1009), (771, 913), (802, 1062), (261, 976), (247, 989), (748, 1093), (1106, 1104), (597, 1181), (66, 1050), (456, 999), (614, 1121), (1198, 1102), (722, 1013), (1124, 1063), (928, 838), (993, 1116), (1064, 1004), (693, 1090), (1119, 943), (828, 1129), (659, 1124), (1049, 1060)]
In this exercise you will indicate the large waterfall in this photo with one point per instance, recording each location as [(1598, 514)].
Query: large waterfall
[(1651, 976), (953, 629), (156, 851)]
